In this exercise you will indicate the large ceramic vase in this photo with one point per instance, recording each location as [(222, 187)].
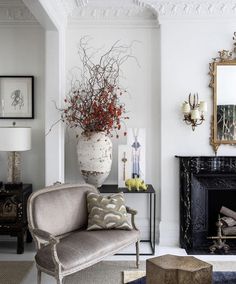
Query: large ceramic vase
[(94, 152)]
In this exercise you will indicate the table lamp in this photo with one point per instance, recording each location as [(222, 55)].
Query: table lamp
[(14, 139)]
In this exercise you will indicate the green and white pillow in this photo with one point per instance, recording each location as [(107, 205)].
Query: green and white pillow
[(107, 212)]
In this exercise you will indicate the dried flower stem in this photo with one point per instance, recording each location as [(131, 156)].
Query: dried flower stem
[(93, 102)]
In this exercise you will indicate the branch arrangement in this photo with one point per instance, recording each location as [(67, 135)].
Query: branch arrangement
[(94, 100)]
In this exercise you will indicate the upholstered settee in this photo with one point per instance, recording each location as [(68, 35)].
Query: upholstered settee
[(57, 218)]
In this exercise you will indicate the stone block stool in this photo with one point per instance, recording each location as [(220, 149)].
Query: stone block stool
[(171, 269)]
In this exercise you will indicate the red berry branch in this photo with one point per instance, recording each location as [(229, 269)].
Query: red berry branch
[(94, 100)]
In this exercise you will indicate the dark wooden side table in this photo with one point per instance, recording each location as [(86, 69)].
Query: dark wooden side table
[(13, 213), (113, 188)]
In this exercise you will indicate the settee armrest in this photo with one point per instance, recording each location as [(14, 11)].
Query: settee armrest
[(133, 213), (41, 235), (46, 236)]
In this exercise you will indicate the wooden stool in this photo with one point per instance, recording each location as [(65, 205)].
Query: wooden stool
[(171, 269)]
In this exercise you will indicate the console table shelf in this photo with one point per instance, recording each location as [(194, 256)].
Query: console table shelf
[(113, 188)]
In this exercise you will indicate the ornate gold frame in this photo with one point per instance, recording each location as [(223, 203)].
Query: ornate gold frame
[(225, 57)]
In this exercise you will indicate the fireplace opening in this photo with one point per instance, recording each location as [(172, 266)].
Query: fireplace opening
[(217, 199)]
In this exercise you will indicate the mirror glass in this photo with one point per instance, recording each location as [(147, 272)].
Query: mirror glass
[(225, 102)]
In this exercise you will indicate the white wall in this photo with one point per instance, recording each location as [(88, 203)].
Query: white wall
[(186, 49), (22, 53), (143, 100)]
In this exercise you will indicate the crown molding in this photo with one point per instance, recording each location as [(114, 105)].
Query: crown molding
[(116, 13), (116, 24), (71, 5), (107, 13), (15, 12), (187, 9), (20, 25), (163, 10)]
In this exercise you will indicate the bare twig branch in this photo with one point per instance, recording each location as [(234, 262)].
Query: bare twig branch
[(93, 101)]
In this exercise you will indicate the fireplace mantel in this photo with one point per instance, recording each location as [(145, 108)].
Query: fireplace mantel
[(198, 175)]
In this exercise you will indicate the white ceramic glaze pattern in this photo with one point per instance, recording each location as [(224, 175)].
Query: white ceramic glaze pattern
[(94, 157)]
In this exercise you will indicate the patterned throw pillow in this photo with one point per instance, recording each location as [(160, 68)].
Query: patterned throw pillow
[(107, 212)]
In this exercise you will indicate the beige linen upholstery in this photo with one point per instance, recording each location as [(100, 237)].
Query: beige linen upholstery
[(57, 219)]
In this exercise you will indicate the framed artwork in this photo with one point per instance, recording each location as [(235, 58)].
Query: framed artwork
[(16, 97)]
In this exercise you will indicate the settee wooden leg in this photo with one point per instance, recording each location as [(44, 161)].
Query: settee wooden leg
[(137, 253), (39, 274), (60, 280)]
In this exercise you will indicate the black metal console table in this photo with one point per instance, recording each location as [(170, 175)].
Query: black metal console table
[(113, 188)]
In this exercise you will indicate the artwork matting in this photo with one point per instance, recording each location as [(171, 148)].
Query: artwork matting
[(16, 97)]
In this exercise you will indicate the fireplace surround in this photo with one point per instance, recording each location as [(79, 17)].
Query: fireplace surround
[(206, 184)]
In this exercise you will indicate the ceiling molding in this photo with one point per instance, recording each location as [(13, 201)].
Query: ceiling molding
[(108, 23), (15, 12), (71, 5), (194, 8), (81, 3), (152, 9), (116, 13)]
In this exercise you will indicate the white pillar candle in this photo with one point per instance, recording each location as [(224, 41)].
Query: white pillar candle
[(195, 114), (203, 106), (185, 107)]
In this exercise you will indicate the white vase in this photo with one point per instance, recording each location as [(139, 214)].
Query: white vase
[(95, 157)]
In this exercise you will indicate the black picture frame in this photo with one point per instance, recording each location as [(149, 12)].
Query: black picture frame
[(16, 97)]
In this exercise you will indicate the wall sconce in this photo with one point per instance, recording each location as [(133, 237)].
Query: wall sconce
[(194, 111)]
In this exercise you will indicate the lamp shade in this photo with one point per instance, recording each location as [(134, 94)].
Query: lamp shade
[(15, 138)]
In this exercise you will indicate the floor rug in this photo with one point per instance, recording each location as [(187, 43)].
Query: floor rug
[(105, 272), (13, 272), (219, 277), (224, 272)]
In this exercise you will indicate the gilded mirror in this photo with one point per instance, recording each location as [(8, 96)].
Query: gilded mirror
[(223, 84)]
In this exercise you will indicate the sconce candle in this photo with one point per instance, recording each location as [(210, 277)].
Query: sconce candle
[(203, 106), (195, 114), (194, 111), (185, 107)]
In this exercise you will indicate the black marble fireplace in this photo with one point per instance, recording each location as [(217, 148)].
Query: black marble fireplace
[(206, 184)]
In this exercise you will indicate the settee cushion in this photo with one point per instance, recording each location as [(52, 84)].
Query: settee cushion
[(107, 212), (84, 248)]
